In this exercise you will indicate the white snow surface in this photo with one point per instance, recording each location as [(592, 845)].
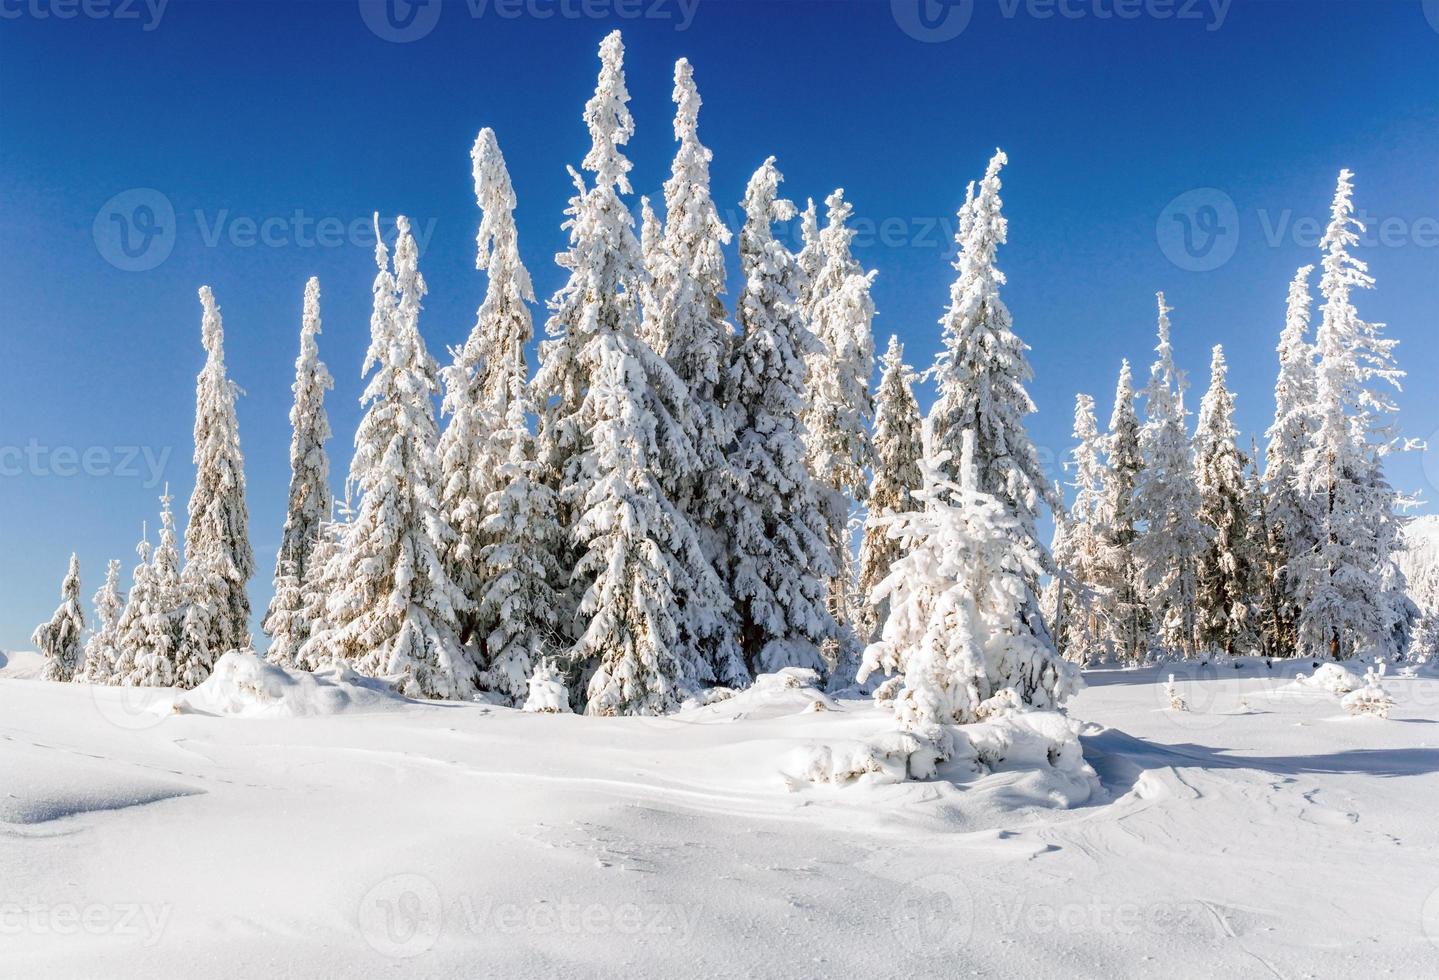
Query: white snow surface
[(278, 824)]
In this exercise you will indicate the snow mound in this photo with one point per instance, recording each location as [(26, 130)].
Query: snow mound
[(1039, 751), (789, 691), (245, 685), (1332, 678), (42, 783), (22, 666), (890, 757)]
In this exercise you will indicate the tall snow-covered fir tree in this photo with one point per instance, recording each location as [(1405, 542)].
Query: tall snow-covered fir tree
[(310, 495), (898, 453), (1351, 591), (839, 410), (1291, 516), (982, 371), (395, 610), (100, 649), (1166, 504), (516, 538), (156, 655), (686, 324), (58, 640), (647, 596), (315, 591), (1127, 621), (956, 635), (1226, 577), (130, 630), (1081, 548), (218, 516), (981, 375), (779, 551)]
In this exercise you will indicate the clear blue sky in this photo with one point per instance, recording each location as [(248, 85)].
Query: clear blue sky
[(253, 112)]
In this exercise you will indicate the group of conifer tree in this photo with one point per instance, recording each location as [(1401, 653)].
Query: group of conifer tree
[(1191, 544), (668, 504)]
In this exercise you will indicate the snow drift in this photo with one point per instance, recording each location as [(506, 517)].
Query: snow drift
[(245, 685)]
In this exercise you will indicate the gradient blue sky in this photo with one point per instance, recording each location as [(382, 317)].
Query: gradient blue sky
[(254, 112)]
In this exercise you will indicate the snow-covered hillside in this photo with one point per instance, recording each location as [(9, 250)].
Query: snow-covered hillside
[(281, 824)]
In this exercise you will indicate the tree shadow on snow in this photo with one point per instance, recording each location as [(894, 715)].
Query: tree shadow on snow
[(1119, 759)]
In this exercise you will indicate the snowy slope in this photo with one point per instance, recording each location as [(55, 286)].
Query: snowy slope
[(1268, 835)]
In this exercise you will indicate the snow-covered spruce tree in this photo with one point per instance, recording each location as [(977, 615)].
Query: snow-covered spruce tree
[(810, 257), (1166, 505), (839, 411), (605, 270), (310, 496), (204, 589), (100, 650), (779, 553), (686, 324), (1351, 592), (218, 516), (1081, 549), (156, 656), (477, 382), (956, 635), (130, 630), (395, 611), (898, 452), (982, 371), (315, 590), (981, 376), (59, 639), (1290, 511), (647, 596), (1225, 600), (1263, 597), (287, 610), (1127, 619), (517, 537)]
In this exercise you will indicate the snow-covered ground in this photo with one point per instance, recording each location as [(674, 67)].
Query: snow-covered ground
[(318, 827)]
